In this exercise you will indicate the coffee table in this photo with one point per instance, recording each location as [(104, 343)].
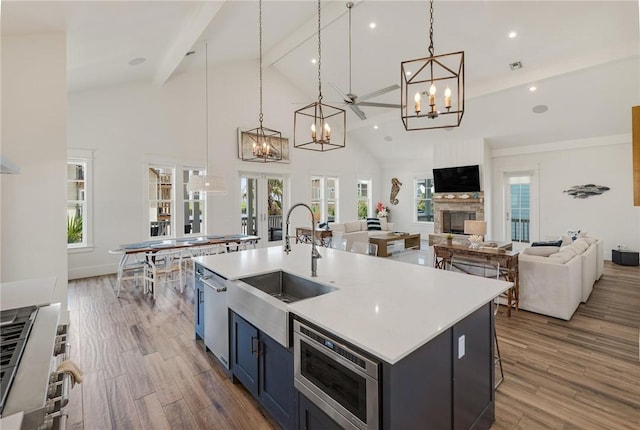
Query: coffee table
[(411, 240)]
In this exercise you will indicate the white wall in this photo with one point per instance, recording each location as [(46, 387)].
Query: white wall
[(34, 136), (610, 216), (127, 125)]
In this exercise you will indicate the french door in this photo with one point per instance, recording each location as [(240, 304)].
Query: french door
[(520, 206), (263, 203)]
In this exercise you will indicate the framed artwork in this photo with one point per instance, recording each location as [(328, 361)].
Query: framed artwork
[(245, 146)]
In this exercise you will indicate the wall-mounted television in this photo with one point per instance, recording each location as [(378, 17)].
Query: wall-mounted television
[(456, 179)]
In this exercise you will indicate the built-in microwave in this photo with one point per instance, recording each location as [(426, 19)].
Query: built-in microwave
[(340, 381)]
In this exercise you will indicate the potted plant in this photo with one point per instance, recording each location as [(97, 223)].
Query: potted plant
[(449, 239)]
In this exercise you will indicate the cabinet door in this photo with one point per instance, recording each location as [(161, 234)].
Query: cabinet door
[(198, 309), (277, 394), (473, 369), (244, 351), (310, 417)]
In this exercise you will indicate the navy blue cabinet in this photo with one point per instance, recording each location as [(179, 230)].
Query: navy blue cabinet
[(198, 309), (265, 368), (244, 353), (310, 417)]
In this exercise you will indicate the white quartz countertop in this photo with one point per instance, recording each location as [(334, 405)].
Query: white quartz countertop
[(386, 307), (29, 292)]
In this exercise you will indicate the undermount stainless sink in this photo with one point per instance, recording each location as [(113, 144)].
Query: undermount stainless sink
[(286, 287), (263, 300)]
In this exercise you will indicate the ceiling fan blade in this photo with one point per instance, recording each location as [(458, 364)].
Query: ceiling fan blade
[(344, 96), (379, 92), (357, 111), (382, 105)]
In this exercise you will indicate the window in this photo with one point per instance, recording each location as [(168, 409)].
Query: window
[(161, 200), (79, 228), (193, 204), (424, 200), (173, 211), (324, 198), (364, 198)]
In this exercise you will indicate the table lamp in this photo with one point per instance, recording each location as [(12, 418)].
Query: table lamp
[(477, 230)]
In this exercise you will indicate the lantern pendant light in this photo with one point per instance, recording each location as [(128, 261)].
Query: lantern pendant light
[(319, 126), (266, 143), (422, 81)]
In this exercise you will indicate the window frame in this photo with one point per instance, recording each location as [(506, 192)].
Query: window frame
[(85, 157), (179, 216), (368, 198), (428, 198), (323, 199)]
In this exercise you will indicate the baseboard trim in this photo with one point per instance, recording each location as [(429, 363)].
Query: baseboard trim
[(90, 271)]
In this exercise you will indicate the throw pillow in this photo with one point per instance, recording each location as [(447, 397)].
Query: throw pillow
[(573, 234), (557, 243), (373, 224)]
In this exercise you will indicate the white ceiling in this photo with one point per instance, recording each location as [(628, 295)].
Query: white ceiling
[(583, 56)]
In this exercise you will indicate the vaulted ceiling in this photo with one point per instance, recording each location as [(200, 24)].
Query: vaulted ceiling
[(582, 56)]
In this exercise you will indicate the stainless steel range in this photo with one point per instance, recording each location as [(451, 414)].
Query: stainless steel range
[(31, 346)]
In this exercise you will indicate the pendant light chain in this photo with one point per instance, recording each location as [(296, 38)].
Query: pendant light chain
[(260, 44), (431, 28), (319, 57), (350, 6), (206, 101)]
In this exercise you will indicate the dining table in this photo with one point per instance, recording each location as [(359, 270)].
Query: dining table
[(232, 242)]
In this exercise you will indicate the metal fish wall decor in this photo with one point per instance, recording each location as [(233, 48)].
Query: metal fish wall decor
[(584, 191)]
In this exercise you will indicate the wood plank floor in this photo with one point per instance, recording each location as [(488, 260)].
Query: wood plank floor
[(144, 370)]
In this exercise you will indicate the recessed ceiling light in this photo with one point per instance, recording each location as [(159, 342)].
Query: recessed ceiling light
[(372, 25), (408, 73), (540, 108), (532, 88), (375, 127), (314, 61), (137, 61), (513, 35)]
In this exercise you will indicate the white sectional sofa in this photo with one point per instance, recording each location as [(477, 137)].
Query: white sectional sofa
[(554, 280), (356, 231)]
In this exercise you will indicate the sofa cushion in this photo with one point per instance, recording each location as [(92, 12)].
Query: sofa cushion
[(350, 227), (557, 243), (580, 245), (337, 227), (562, 256), (590, 240), (373, 224), (542, 251)]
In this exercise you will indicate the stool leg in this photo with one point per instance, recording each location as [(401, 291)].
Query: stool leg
[(497, 359)]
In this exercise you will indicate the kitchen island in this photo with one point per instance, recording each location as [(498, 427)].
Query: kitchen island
[(424, 326)]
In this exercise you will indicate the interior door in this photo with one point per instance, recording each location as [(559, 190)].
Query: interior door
[(519, 208), (263, 206)]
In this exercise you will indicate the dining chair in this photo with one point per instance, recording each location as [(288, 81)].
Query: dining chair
[(162, 267), (131, 266)]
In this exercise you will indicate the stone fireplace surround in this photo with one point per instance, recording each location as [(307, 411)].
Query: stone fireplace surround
[(474, 203)]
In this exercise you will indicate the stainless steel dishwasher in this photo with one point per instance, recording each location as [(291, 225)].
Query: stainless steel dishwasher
[(216, 314)]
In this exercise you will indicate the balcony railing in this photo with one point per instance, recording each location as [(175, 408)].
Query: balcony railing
[(249, 225), (520, 230)]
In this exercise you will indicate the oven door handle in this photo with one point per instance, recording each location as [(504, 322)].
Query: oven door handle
[(370, 372)]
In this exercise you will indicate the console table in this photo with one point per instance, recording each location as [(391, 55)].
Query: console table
[(504, 260), (323, 237)]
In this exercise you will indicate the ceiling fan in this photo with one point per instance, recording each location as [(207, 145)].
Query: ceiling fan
[(352, 100)]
